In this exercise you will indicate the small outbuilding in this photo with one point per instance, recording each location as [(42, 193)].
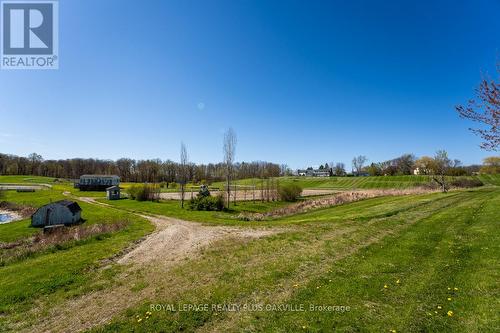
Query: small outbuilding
[(113, 193), (64, 212)]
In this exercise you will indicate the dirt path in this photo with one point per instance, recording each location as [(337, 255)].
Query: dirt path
[(175, 240), (172, 242)]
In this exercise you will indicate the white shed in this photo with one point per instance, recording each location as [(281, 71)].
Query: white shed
[(113, 193)]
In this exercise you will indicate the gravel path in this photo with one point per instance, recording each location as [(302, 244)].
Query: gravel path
[(172, 242)]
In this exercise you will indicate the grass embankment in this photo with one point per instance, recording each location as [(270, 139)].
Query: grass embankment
[(57, 185), (376, 182), (390, 260), (26, 180), (64, 270), (172, 208), (341, 183)]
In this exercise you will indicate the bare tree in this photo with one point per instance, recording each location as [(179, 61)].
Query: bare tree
[(441, 164), (229, 148), (485, 109), (183, 172), (35, 160), (358, 163), (340, 169)]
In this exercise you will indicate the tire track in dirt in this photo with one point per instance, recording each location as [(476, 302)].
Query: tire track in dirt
[(172, 242)]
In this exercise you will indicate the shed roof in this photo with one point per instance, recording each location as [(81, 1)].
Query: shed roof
[(72, 205)]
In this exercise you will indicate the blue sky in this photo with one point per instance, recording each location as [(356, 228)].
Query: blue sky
[(301, 82)]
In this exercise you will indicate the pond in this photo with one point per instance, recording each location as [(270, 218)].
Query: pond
[(6, 217)]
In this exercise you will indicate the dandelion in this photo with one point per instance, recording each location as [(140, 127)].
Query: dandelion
[(450, 313), (393, 331), (439, 307), (455, 288), (386, 286), (295, 285), (449, 298), (139, 320), (398, 282), (435, 312), (303, 327), (449, 288)]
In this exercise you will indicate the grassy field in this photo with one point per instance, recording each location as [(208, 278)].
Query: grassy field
[(394, 263), (26, 180), (172, 208), (376, 182), (416, 263), (341, 183), (63, 271)]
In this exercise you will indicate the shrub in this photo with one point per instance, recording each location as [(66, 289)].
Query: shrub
[(208, 203), (204, 192), (290, 192), (144, 192), (467, 183)]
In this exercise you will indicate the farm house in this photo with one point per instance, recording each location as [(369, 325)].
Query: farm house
[(60, 212), (97, 182)]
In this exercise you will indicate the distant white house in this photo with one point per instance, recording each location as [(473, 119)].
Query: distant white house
[(314, 173), (419, 171)]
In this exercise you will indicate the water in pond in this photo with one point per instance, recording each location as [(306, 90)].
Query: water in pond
[(6, 218)]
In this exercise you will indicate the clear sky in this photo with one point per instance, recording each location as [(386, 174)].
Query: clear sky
[(301, 82)]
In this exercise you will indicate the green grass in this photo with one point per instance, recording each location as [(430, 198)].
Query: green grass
[(342, 255), (26, 180), (62, 271), (13, 231), (378, 182), (429, 243), (172, 208), (490, 179), (372, 182)]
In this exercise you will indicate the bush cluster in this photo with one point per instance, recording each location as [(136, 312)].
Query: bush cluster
[(467, 183), (290, 192), (209, 203), (144, 192)]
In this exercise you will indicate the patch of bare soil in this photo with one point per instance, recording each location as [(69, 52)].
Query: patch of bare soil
[(173, 241)]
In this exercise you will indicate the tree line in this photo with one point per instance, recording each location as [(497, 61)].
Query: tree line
[(131, 170), (409, 164)]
